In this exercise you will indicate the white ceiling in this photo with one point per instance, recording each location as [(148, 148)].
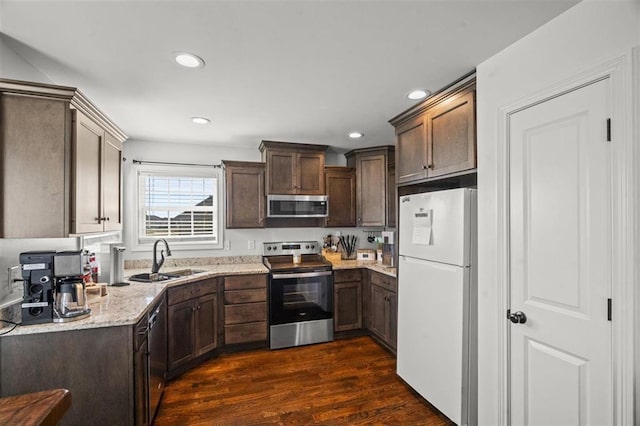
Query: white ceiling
[(298, 71)]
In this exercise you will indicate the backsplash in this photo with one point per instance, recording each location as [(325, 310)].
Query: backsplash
[(192, 261)]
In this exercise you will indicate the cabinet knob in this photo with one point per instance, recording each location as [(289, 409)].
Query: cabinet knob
[(107, 218), (424, 167), (430, 166)]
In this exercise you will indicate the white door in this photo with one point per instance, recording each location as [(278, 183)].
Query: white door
[(560, 260)]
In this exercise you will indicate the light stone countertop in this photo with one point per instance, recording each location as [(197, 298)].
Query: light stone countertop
[(367, 264), (126, 305)]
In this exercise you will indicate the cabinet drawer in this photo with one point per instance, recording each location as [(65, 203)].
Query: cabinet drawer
[(383, 281), (247, 312), (347, 275), (243, 333), (245, 296), (191, 291), (241, 282)]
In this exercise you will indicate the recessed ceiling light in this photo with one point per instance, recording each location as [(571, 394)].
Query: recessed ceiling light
[(418, 94), (188, 60), (356, 135), (200, 120)]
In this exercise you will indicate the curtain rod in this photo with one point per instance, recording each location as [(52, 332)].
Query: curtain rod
[(216, 166)]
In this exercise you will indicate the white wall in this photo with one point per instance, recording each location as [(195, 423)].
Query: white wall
[(14, 67), (204, 154), (583, 36)]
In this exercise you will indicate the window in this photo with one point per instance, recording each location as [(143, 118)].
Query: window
[(180, 205)]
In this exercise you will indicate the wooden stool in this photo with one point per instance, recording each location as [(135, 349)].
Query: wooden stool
[(38, 408)]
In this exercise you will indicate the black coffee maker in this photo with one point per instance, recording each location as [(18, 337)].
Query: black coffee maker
[(38, 283)]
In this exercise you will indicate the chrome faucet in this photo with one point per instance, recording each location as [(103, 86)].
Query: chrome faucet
[(157, 265)]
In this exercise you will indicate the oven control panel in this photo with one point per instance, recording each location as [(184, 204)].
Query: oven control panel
[(291, 248)]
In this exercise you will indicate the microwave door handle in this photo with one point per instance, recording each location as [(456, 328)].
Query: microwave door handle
[(302, 275)]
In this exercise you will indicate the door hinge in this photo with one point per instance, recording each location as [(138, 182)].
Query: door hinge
[(608, 309), (608, 130)]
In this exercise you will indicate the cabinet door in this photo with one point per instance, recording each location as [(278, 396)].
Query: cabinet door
[(206, 321), (452, 135), (33, 177), (111, 183), (245, 196), (392, 197), (87, 162), (411, 150), (181, 333), (340, 183), (347, 306), (392, 320), (281, 169), (378, 309), (310, 173), (372, 190)]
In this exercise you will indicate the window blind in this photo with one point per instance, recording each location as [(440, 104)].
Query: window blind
[(179, 207)]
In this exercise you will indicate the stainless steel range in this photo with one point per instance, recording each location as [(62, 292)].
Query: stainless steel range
[(300, 294)]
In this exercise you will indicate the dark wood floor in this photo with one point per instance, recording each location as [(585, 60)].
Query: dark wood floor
[(343, 382)]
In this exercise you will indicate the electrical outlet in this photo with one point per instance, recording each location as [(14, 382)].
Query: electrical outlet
[(338, 233), (251, 244), (227, 245)]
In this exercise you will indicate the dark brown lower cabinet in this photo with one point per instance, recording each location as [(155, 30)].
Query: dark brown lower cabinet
[(206, 323), (383, 309), (181, 339), (192, 324), (96, 365), (245, 309), (347, 299)]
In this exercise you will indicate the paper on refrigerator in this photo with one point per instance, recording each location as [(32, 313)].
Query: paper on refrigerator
[(423, 227)]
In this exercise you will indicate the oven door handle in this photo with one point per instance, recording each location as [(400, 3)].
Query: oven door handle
[(302, 275)]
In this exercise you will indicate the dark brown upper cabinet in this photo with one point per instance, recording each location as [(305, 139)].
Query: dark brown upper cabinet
[(96, 176), (438, 136), (294, 169), (340, 183), (245, 198), (375, 188), (66, 154)]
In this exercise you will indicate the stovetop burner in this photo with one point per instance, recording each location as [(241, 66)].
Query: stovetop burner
[(280, 256), (311, 262)]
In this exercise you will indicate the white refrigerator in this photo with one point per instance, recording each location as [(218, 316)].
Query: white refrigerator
[(437, 300)]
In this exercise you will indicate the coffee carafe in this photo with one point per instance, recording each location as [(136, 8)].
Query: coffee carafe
[(71, 296), (71, 300)]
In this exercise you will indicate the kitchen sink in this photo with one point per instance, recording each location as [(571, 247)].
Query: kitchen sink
[(148, 278), (163, 276), (182, 273)]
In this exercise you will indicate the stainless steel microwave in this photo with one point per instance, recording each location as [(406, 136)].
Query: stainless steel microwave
[(297, 206)]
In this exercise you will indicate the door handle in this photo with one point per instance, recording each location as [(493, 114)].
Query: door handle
[(518, 317)]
